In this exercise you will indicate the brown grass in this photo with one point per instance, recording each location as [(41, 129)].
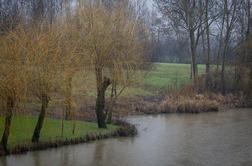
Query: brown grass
[(192, 100), (185, 104)]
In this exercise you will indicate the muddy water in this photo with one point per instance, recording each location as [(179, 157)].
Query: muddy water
[(209, 139)]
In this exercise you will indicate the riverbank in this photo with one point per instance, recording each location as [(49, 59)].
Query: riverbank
[(51, 136), (181, 102), (165, 139)]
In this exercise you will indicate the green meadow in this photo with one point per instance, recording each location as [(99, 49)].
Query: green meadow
[(160, 77), (163, 76)]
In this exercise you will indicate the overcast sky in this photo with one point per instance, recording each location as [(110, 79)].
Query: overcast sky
[(149, 3)]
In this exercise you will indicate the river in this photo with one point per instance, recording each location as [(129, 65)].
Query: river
[(208, 139)]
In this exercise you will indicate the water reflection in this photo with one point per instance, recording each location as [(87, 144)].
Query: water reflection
[(211, 139), (36, 157), (98, 155)]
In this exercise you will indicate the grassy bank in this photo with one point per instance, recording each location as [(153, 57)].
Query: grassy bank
[(22, 130)]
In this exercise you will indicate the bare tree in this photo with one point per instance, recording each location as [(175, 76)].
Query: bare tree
[(188, 15), (230, 15)]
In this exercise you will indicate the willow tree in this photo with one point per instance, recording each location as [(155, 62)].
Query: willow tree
[(12, 77), (72, 62), (69, 73), (128, 56), (45, 63), (110, 42)]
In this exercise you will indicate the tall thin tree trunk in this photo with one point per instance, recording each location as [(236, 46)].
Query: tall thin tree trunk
[(68, 98), (226, 16), (193, 56), (223, 82), (39, 125), (250, 84), (248, 35), (220, 44), (7, 125), (62, 123), (208, 48)]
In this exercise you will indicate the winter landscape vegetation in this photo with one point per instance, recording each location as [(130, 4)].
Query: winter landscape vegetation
[(129, 82)]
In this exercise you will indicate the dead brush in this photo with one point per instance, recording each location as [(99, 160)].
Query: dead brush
[(187, 104)]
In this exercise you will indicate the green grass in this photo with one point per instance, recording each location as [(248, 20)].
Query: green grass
[(165, 75), (159, 78), (22, 129)]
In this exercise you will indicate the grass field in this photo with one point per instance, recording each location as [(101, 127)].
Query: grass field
[(159, 78), (163, 76), (22, 129)]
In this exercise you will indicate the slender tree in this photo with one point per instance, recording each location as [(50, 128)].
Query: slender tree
[(188, 15), (230, 14), (45, 61)]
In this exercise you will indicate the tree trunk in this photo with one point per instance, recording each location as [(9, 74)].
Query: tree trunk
[(102, 85), (68, 98), (74, 127), (226, 16), (113, 97), (191, 71), (39, 125), (248, 35), (7, 125), (193, 57), (62, 124), (208, 48), (223, 82), (220, 44), (110, 114), (100, 103), (250, 85)]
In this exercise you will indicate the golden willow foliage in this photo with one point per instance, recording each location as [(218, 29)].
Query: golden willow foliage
[(44, 59), (33, 55), (13, 77), (110, 41), (41, 60), (13, 65)]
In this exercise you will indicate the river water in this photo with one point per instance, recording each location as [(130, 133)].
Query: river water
[(207, 139)]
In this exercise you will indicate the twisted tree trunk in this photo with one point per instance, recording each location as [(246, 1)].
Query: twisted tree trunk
[(102, 85)]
